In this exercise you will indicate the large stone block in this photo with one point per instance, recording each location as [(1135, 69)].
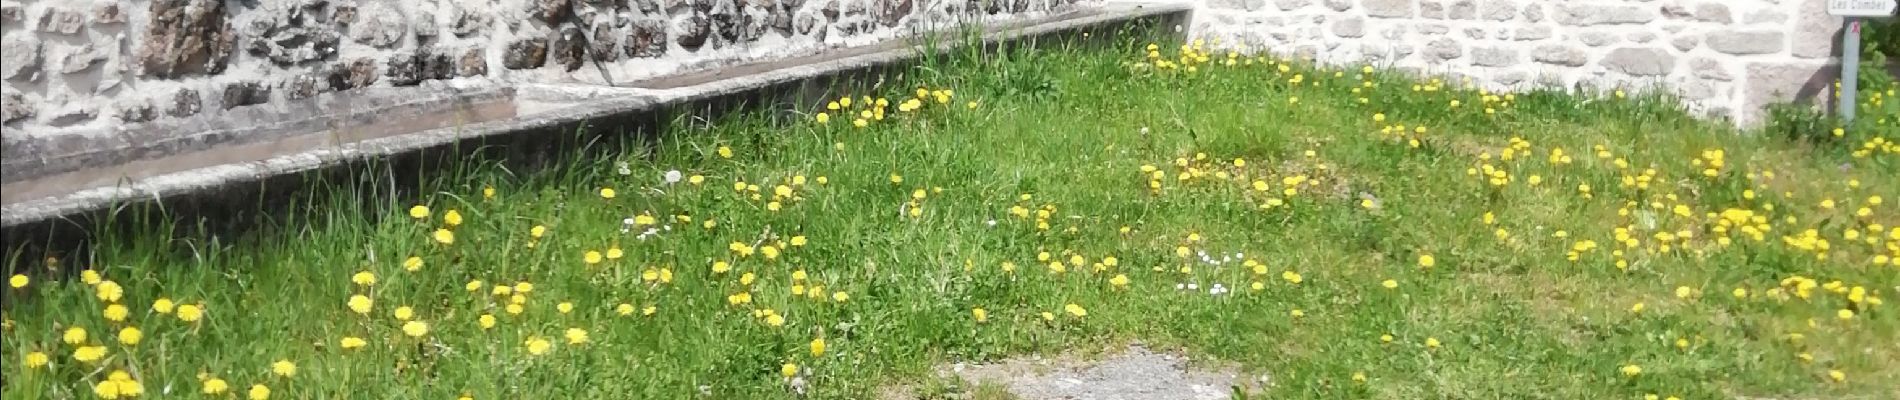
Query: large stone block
[(186, 37), (1807, 82), (244, 93), (1290, 5), (1709, 68), (21, 57), (1387, 8), (1494, 57), (379, 26), (1560, 55), (1462, 9), (646, 38), (1598, 38), (185, 103), (1816, 34), (1601, 14), (570, 49), (61, 20), (1639, 61), (525, 53), (1531, 33), (1349, 27), (1498, 10), (14, 106), (1444, 49), (1748, 42)]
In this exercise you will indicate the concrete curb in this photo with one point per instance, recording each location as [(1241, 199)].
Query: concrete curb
[(537, 108)]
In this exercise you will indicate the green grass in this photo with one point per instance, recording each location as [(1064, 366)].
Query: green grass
[(1066, 129)]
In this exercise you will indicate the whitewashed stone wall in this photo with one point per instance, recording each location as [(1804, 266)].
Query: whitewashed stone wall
[(1726, 58)]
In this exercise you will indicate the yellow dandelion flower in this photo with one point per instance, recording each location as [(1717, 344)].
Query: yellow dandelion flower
[(359, 303), (840, 296), (190, 312), (89, 354), (607, 193), (1431, 342), (131, 336), (818, 347), (415, 328), (1075, 310), (725, 152), (1632, 370), (452, 218), (576, 336), (214, 386), (1427, 261), (404, 313), (419, 211), (109, 291), (106, 389), (538, 346), (259, 392), (36, 360), (444, 236), (351, 342), (74, 336), (90, 277), (18, 281), (1390, 284), (284, 368), (591, 257), (788, 370), (980, 314)]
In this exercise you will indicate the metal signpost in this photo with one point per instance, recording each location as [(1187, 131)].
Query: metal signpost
[(1853, 11)]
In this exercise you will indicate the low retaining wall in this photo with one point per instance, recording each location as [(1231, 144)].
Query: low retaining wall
[(1724, 58)]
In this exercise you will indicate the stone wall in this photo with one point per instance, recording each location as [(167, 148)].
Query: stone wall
[(80, 66), (1726, 58)]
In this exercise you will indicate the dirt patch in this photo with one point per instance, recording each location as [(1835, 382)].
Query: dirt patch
[(1134, 374)]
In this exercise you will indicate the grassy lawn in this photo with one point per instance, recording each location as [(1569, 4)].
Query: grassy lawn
[(1352, 233)]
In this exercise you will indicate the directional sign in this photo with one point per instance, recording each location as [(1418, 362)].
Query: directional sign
[(1861, 8)]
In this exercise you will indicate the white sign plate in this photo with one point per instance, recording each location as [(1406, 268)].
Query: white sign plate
[(1861, 8)]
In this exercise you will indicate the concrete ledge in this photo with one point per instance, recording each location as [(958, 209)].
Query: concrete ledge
[(62, 182)]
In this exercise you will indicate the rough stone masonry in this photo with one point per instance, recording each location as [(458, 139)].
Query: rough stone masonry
[(79, 67), (1725, 58)]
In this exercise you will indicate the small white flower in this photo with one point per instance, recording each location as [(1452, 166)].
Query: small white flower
[(623, 168), (672, 176), (990, 222), (1180, 286), (1194, 286)]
